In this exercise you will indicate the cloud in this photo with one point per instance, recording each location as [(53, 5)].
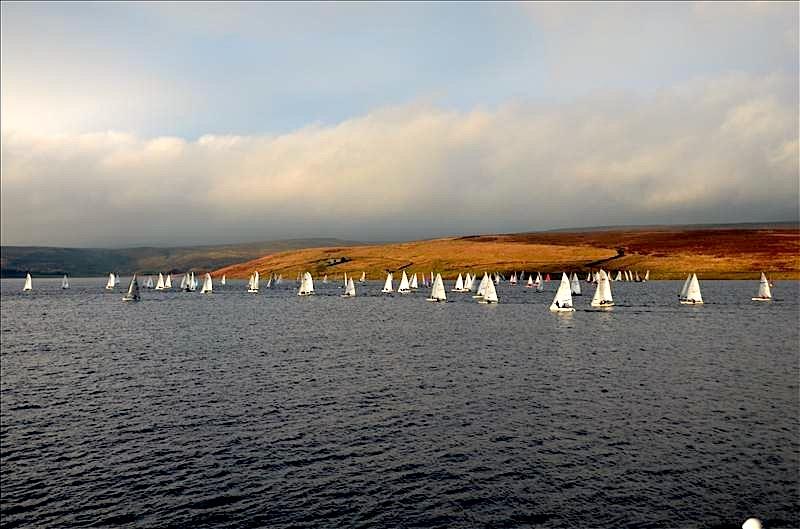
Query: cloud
[(710, 150)]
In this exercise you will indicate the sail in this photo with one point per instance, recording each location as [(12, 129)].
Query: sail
[(160, 282), (404, 284), (306, 285), (256, 279), (637, 278), (111, 281), (693, 291), (184, 281), (602, 296), (250, 283), (468, 282), (222, 281), (459, 284), (539, 283), (619, 276), (116, 280), (414, 284), (64, 282), (168, 281), (208, 286), (482, 286), (133, 290), (563, 299), (350, 291), (575, 285), (363, 277), (28, 283), (764, 291), (513, 279), (490, 294), (345, 281), (387, 286), (192, 282), (685, 288), (529, 284), (647, 276), (269, 283), (437, 292)]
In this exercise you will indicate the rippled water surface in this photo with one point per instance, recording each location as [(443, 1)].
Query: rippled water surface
[(242, 410)]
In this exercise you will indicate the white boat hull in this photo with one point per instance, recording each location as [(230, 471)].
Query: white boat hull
[(761, 299), (562, 309), (436, 300), (603, 306), (690, 302)]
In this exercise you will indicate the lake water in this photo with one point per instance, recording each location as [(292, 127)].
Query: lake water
[(270, 410)]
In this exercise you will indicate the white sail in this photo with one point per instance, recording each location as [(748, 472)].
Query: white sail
[(350, 289), (184, 281), (133, 290), (619, 276), (387, 286), (269, 283), (222, 281), (575, 285), (693, 295), (363, 277), (647, 276), (563, 300), (345, 281), (529, 284), (65, 282), (306, 285), (602, 296), (588, 277), (255, 278), (404, 286), (28, 283), (208, 286), (513, 279), (459, 284), (111, 281), (539, 283), (637, 278), (168, 282), (764, 292), (116, 280), (489, 295), (160, 282), (685, 288), (469, 282), (414, 284), (437, 291), (482, 286)]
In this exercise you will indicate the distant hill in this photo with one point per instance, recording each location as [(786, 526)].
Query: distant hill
[(668, 252), (15, 261)]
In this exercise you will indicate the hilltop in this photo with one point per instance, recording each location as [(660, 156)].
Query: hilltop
[(41, 260), (668, 252)]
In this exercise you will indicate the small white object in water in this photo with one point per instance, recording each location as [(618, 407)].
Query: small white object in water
[(752, 523)]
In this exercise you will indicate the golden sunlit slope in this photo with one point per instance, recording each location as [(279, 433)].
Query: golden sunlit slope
[(667, 253)]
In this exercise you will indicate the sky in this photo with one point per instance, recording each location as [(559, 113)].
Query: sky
[(128, 123)]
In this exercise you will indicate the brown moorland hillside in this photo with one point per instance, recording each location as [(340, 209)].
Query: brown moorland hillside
[(713, 253)]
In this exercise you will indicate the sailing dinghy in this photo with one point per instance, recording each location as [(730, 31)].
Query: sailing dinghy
[(363, 277), (252, 286), (168, 282), (208, 286), (575, 285), (563, 300), (690, 294), (306, 285), (437, 291), (387, 286), (414, 284), (28, 283), (133, 291), (602, 296), (350, 290), (65, 282), (489, 294), (111, 281), (764, 292), (404, 287), (160, 282)]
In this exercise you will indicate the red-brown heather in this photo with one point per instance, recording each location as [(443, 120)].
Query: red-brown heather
[(669, 253)]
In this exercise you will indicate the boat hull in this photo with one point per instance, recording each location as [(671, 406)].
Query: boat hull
[(436, 300), (761, 299), (690, 302), (562, 309)]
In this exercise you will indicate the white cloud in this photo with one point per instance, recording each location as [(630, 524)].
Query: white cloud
[(723, 149)]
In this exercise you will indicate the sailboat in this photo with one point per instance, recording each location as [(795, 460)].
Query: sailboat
[(252, 286), (116, 279), (404, 286), (185, 282), (563, 300), (513, 279), (437, 291), (192, 282), (489, 295), (65, 282), (764, 292), (208, 286), (646, 276), (387, 286), (539, 283), (602, 296), (459, 287), (482, 286), (222, 281), (575, 285), (111, 281), (306, 285), (363, 277), (350, 289), (529, 284), (28, 283), (344, 286), (133, 291), (160, 282), (269, 283), (619, 276), (690, 294), (547, 278), (637, 278), (414, 284), (468, 282), (168, 282)]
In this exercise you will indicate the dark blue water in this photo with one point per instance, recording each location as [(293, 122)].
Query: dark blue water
[(241, 410)]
